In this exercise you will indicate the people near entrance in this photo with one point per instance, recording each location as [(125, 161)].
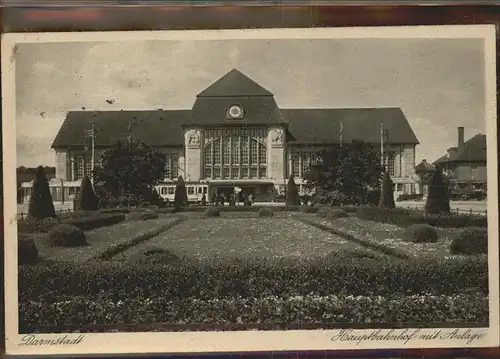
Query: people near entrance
[(237, 192), (204, 200), (232, 201), (222, 199), (250, 199), (214, 199)]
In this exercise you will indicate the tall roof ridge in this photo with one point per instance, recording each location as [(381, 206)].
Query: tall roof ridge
[(234, 84)]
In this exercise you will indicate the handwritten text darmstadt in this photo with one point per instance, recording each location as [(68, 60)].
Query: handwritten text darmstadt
[(32, 339)]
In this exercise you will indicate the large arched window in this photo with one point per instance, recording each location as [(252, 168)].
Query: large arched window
[(235, 153)]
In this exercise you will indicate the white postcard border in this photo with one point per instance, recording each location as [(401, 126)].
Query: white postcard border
[(191, 342)]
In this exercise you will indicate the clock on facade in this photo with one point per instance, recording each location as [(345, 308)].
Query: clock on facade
[(235, 111)]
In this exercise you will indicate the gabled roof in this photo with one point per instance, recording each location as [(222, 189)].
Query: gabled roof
[(307, 126), (424, 166), (322, 126), (473, 150), (157, 127), (234, 84), (208, 111), (165, 127)]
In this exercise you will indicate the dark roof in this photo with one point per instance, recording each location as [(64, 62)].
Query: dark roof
[(322, 126), (473, 150), (424, 166), (257, 111), (164, 127), (234, 84), (157, 128)]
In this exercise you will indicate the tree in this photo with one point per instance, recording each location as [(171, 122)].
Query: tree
[(86, 199), (349, 172), (292, 195), (41, 205), (438, 201), (387, 193), (130, 168), (180, 197)]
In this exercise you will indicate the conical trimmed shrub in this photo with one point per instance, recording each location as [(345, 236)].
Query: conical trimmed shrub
[(86, 199), (292, 195), (387, 193), (41, 205), (438, 201), (180, 199)]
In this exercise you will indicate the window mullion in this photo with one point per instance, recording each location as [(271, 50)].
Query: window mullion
[(258, 157), (239, 156), (300, 164)]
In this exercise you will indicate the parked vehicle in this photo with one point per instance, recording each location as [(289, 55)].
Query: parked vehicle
[(194, 191)]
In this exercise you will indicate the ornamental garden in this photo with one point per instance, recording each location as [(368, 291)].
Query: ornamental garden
[(125, 261)]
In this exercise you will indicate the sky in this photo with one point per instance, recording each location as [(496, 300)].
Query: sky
[(438, 83)]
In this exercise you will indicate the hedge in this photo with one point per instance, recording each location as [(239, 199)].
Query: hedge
[(28, 225), (257, 278), (404, 218), (114, 210), (89, 223), (87, 314), (82, 219), (141, 215)]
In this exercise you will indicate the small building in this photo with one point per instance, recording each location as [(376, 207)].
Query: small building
[(24, 179), (424, 171), (465, 164), (236, 135)]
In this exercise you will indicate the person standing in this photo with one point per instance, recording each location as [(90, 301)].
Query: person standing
[(250, 199)]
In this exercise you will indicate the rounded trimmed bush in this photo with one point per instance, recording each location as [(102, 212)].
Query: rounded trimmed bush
[(421, 233), (335, 213), (27, 253), (67, 235), (265, 212), (143, 215), (212, 212), (470, 241), (322, 211)]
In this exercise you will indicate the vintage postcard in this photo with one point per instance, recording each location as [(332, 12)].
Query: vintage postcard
[(250, 190)]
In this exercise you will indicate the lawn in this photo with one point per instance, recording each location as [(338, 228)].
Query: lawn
[(99, 240), (391, 236), (245, 238)]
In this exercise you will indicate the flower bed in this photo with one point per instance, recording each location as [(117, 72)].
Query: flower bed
[(99, 240), (392, 236), (404, 218), (220, 237), (272, 313)]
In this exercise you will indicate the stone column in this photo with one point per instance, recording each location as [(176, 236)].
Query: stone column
[(277, 157)]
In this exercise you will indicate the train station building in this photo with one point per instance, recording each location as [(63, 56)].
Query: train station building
[(235, 134)]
